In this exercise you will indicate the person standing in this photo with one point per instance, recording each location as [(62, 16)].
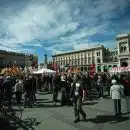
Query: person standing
[(100, 87), (77, 97), (116, 93), (18, 91), (55, 89), (127, 93)]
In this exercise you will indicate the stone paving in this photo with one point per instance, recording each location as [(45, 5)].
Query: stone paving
[(99, 116)]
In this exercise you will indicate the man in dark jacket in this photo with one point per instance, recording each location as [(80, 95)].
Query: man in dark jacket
[(8, 88), (127, 93), (28, 89), (77, 94), (1, 89), (55, 88)]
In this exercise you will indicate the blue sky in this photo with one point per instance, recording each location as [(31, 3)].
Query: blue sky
[(56, 26)]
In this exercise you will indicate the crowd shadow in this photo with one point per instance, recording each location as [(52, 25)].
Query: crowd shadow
[(90, 103), (92, 99), (25, 124), (44, 93), (107, 119), (5, 126), (28, 124), (47, 106), (43, 99), (39, 102)]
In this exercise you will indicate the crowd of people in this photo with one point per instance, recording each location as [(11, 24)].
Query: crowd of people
[(72, 86)]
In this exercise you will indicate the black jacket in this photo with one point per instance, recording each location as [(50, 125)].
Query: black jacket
[(73, 89), (127, 90)]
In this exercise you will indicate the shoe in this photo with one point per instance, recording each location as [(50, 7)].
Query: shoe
[(120, 113), (116, 114), (84, 117), (77, 120)]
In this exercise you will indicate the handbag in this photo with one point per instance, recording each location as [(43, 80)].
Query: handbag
[(122, 95)]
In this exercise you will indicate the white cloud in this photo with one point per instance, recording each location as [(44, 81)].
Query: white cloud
[(19, 50), (59, 23), (82, 46)]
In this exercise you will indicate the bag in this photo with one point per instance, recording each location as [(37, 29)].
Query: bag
[(122, 95)]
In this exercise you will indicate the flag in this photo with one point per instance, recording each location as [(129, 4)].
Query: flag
[(55, 66)]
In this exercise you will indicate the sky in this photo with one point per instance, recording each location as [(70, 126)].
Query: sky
[(56, 26)]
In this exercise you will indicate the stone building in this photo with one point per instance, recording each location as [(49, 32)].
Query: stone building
[(110, 59), (18, 59), (123, 43), (81, 59)]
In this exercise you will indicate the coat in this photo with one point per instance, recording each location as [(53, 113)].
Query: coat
[(116, 91)]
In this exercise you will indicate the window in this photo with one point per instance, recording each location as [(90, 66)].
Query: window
[(116, 59), (124, 48), (93, 60), (89, 60), (98, 60)]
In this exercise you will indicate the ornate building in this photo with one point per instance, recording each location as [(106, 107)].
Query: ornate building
[(103, 58), (81, 59), (123, 43)]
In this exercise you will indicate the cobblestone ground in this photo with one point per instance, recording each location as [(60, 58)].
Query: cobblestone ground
[(99, 116)]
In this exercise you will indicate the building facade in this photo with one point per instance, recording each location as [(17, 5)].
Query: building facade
[(123, 43), (103, 58), (17, 59), (82, 59)]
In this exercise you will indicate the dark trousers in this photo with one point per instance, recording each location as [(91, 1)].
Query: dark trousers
[(18, 97), (55, 95), (34, 95), (117, 106), (101, 91), (77, 103)]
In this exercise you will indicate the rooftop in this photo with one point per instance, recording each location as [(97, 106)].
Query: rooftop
[(82, 50), (10, 52), (123, 35)]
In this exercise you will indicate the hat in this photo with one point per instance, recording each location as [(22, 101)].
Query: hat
[(114, 81)]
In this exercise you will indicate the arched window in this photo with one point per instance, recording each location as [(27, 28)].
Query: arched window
[(124, 48), (98, 60)]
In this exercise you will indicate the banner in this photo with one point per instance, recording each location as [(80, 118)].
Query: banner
[(55, 66), (92, 70)]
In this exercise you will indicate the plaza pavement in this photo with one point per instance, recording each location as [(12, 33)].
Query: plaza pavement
[(99, 116)]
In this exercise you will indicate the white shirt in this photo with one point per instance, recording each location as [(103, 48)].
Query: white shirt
[(116, 91)]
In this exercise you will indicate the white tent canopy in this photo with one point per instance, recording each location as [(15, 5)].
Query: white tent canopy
[(44, 70)]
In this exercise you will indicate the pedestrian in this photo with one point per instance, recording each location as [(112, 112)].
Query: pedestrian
[(127, 94), (77, 97), (18, 91), (116, 93), (100, 87), (55, 89)]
